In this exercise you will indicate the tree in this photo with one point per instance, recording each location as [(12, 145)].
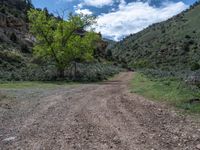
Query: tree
[(46, 11), (58, 38)]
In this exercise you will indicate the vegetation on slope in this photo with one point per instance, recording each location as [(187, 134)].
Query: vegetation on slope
[(171, 90), (171, 45), (17, 62), (167, 54)]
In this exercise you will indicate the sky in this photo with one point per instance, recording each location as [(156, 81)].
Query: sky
[(117, 19)]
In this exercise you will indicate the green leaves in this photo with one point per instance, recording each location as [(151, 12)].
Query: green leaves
[(63, 41)]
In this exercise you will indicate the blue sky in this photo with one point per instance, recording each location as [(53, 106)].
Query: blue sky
[(119, 18)]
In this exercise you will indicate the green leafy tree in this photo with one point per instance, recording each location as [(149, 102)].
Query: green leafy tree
[(61, 40)]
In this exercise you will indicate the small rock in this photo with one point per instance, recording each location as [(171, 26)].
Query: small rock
[(9, 139), (195, 136), (175, 138), (198, 146)]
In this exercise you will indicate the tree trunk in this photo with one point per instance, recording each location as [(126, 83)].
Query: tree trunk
[(75, 70), (71, 72), (61, 73)]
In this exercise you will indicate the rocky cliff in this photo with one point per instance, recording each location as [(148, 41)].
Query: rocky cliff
[(13, 24)]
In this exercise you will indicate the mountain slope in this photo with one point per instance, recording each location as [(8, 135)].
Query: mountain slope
[(14, 23), (170, 45), (17, 61)]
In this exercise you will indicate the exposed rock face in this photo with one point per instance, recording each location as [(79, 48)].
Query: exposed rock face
[(14, 30), (11, 25), (16, 23), (101, 48), (101, 45), (13, 22)]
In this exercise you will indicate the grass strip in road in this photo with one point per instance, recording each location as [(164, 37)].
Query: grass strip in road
[(171, 91)]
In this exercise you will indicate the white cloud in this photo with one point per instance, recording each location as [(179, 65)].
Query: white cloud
[(122, 3), (97, 3), (83, 11), (135, 16), (59, 1), (80, 5)]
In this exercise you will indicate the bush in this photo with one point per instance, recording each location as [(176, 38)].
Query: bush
[(13, 37), (140, 64), (88, 72), (109, 53), (95, 71), (194, 78), (29, 72), (188, 37), (2, 10), (24, 48), (11, 56), (195, 66), (155, 73)]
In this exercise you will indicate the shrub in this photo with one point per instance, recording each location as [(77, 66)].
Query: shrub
[(24, 48), (194, 78), (195, 66), (86, 72), (2, 10), (95, 71), (13, 37), (187, 37), (109, 53), (10, 56), (140, 64), (155, 73)]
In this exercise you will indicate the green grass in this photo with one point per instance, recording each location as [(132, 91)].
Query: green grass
[(27, 84), (173, 92)]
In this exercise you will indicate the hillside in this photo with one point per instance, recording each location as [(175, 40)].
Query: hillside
[(15, 40), (169, 45), (17, 61), (14, 24)]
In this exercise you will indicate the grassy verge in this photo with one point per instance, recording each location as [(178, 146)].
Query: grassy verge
[(173, 92), (33, 84)]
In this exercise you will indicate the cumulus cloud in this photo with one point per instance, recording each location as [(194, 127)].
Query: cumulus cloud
[(83, 11), (97, 3), (135, 16)]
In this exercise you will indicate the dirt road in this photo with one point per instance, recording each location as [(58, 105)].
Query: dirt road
[(100, 116)]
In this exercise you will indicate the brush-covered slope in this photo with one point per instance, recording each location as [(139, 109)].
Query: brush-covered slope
[(17, 61), (15, 39), (173, 44)]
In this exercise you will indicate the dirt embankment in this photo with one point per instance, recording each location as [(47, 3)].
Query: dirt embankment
[(99, 116)]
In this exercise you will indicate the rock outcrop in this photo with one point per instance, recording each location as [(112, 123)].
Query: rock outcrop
[(10, 25), (14, 30)]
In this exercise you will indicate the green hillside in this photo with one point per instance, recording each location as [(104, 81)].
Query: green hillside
[(170, 45), (17, 61)]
